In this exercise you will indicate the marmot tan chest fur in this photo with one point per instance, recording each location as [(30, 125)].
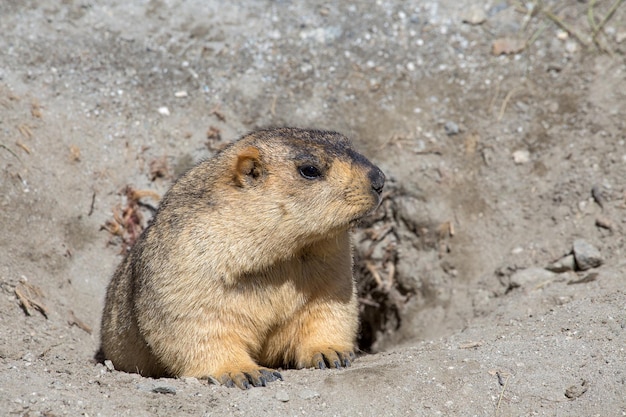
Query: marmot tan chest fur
[(247, 264)]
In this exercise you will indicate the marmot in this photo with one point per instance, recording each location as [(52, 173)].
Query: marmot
[(247, 264)]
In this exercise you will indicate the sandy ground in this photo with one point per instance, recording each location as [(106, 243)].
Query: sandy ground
[(497, 165)]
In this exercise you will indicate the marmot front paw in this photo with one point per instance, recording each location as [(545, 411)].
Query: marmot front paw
[(254, 377), (328, 358)]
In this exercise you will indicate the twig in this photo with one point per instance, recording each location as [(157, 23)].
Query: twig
[(93, 203), (606, 18), (506, 101), (392, 273), (590, 17), (368, 302), (495, 96), (506, 381), (25, 131), (595, 28), (24, 147), (471, 345), (529, 15), (565, 27), (10, 151), (29, 297), (536, 35), (75, 321), (370, 267)]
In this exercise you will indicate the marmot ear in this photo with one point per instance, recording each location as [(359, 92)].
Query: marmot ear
[(248, 167)]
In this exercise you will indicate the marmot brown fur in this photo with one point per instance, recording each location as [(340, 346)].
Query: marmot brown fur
[(247, 264)]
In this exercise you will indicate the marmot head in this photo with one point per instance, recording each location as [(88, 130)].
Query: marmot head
[(268, 196), (307, 182)]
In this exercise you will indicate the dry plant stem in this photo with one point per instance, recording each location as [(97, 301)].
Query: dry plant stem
[(28, 296), (506, 101), (529, 13), (590, 17), (506, 382), (368, 302), (75, 321), (391, 276), (606, 18), (495, 96), (565, 27), (595, 28), (24, 147), (536, 35), (372, 268), (10, 151), (25, 131)]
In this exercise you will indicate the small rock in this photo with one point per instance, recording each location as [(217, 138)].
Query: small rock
[(164, 111), (190, 380), (451, 128), (507, 46), (604, 223), (530, 276), (181, 94), (571, 46), (503, 5), (476, 15), (566, 263), (576, 391), (521, 157), (109, 365), (307, 394), (282, 396), (164, 389), (598, 196), (144, 387), (586, 255), (587, 278)]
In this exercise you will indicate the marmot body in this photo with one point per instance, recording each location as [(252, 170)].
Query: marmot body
[(247, 264)]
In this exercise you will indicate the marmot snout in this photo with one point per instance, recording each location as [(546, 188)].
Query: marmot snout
[(247, 264)]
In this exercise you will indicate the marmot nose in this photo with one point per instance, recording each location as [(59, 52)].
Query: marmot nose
[(377, 178)]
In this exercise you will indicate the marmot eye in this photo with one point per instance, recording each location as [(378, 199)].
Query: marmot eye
[(309, 172)]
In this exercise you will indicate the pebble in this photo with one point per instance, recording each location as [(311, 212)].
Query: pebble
[(566, 263), (571, 46), (503, 5), (157, 389), (109, 365), (586, 255), (180, 94), (307, 394), (451, 128), (164, 389), (577, 390), (521, 157), (164, 111), (190, 380), (282, 396), (475, 15), (604, 223), (562, 35), (530, 276)]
